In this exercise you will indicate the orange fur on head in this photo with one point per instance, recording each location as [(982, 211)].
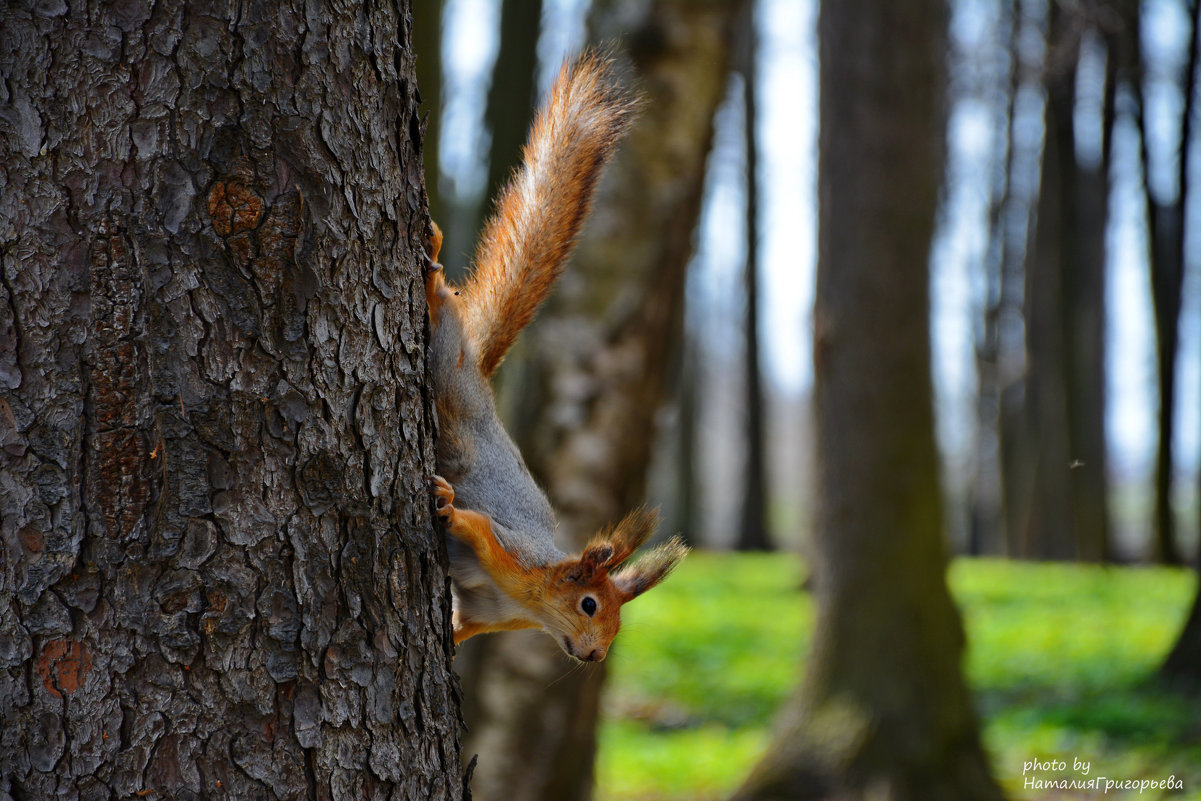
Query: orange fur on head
[(578, 600), (589, 576)]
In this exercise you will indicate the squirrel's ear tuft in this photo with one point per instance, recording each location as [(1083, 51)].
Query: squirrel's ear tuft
[(651, 569), (631, 533), (613, 546), (595, 560), (596, 556)]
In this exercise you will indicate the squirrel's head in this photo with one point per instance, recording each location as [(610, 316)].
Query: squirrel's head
[(585, 593)]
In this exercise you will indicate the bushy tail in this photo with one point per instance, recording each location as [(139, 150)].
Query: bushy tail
[(527, 242)]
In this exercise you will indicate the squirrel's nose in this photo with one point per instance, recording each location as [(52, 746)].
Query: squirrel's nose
[(597, 655)]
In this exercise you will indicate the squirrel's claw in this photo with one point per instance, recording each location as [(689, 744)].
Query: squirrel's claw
[(431, 265), (444, 497), (432, 248)]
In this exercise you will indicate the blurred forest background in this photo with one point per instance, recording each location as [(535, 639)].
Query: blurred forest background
[(1064, 346)]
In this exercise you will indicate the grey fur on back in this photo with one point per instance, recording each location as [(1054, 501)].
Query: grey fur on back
[(471, 435)]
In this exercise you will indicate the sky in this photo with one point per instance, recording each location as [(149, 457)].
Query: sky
[(788, 141)]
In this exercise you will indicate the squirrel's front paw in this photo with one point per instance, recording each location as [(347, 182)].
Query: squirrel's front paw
[(433, 247), (444, 498)]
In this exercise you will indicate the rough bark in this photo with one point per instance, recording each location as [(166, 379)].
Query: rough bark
[(593, 374), (752, 534), (218, 575), (883, 711)]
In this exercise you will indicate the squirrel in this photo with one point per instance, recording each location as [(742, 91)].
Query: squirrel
[(506, 571)]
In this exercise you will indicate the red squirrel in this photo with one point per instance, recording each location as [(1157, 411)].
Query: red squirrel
[(506, 571)]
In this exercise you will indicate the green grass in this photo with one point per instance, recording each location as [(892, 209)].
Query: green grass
[(1057, 654)]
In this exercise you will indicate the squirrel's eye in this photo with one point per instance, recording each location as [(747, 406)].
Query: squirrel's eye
[(588, 605)]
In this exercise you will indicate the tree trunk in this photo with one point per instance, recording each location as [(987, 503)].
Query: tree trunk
[(1182, 668), (1083, 322), (1183, 665), (883, 711), (511, 99), (1018, 445), (752, 534), (218, 576), (1065, 333), (1165, 219), (594, 369), (1048, 531), (986, 532), (427, 47), (684, 518)]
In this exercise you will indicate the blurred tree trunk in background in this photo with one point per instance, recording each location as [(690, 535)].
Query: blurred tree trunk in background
[(1182, 668), (1047, 531), (883, 711), (219, 575), (595, 365), (1083, 314), (511, 98), (1183, 665), (1053, 415), (1016, 450), (1166, 236), (684, 517), (752, 534), (986, 533), (427, 46)]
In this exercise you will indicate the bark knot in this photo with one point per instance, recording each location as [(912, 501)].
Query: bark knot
[(234, 207), (64, 666), (32, 540)]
